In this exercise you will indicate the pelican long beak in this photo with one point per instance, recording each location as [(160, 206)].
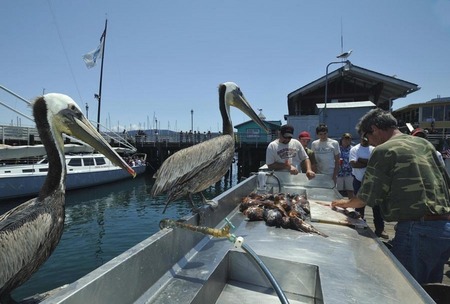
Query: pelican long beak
[(80, 127), (240, 102)]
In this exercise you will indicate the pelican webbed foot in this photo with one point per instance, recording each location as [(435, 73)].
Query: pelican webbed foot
[(212, 203)]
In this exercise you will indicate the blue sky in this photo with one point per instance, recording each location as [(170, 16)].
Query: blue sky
[(166, 58)]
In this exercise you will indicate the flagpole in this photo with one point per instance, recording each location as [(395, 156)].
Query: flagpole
[(101, 76)]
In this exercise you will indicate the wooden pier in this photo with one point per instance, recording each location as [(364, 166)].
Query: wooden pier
[(250, 151)]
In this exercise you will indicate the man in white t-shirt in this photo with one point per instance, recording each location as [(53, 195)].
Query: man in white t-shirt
[(358, 159), (286, 153), (327, 153)]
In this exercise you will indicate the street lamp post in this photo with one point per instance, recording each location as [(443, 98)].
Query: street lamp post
[(192, 120), (156, 130), (346, 68)]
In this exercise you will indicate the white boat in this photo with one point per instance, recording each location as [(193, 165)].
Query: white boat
[(83, 170), (266, 265)]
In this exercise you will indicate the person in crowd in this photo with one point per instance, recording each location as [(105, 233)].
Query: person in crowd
[(304, 138), (358, 158), (344, 182), (286, 153), (424, 134), (327, 153), (404, 178)]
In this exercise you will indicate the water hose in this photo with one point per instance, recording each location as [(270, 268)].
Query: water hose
[(238, 243), (270, 277)]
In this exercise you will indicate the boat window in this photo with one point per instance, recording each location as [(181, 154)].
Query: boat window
[(27, 170), (100, 161), (43, 170), (88, 161), (75, 162)]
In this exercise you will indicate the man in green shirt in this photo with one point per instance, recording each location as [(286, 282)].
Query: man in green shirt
[(304, 139), (409, 184)]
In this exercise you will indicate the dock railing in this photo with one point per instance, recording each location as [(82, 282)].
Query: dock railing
[(30, 135), (19, 134), (174, 138)]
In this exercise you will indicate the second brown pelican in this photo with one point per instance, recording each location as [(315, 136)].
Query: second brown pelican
[(30, 232), (194, 169)]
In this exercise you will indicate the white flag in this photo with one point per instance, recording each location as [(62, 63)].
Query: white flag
[(91, 58)]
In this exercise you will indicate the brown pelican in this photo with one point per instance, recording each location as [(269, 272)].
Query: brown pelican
[(30, 232), (194, 169)]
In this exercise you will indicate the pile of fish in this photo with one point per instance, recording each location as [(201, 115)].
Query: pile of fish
[(290, 211)]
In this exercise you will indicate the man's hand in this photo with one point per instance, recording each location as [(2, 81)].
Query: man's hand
[(293, 170), (340, 203), (310, 174), (354, 202)]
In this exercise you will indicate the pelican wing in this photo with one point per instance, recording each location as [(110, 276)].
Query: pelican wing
[(188, 163), (24, 231), (10, 219)]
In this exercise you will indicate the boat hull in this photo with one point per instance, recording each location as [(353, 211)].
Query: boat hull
[(29, 184)]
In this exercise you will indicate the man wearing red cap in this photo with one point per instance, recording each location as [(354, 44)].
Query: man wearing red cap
[(304, 138), (424, 134)]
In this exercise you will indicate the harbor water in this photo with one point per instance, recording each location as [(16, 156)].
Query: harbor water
[(101, 223)]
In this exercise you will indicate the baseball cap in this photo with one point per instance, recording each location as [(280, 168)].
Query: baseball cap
[(419, 132), (304, 135), (287, 130)]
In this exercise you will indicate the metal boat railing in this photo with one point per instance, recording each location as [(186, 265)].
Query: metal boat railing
[(30, 135)]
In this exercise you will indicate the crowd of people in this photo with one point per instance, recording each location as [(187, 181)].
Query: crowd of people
[(194, 137), (134, 161), (400, 176)]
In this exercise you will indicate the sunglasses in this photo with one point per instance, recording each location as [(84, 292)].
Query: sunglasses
[(367, 133)]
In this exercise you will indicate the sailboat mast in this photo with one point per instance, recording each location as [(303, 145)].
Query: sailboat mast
[(101, 76)]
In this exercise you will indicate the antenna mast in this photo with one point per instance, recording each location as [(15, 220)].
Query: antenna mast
[(342, 38), (99, 97)]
